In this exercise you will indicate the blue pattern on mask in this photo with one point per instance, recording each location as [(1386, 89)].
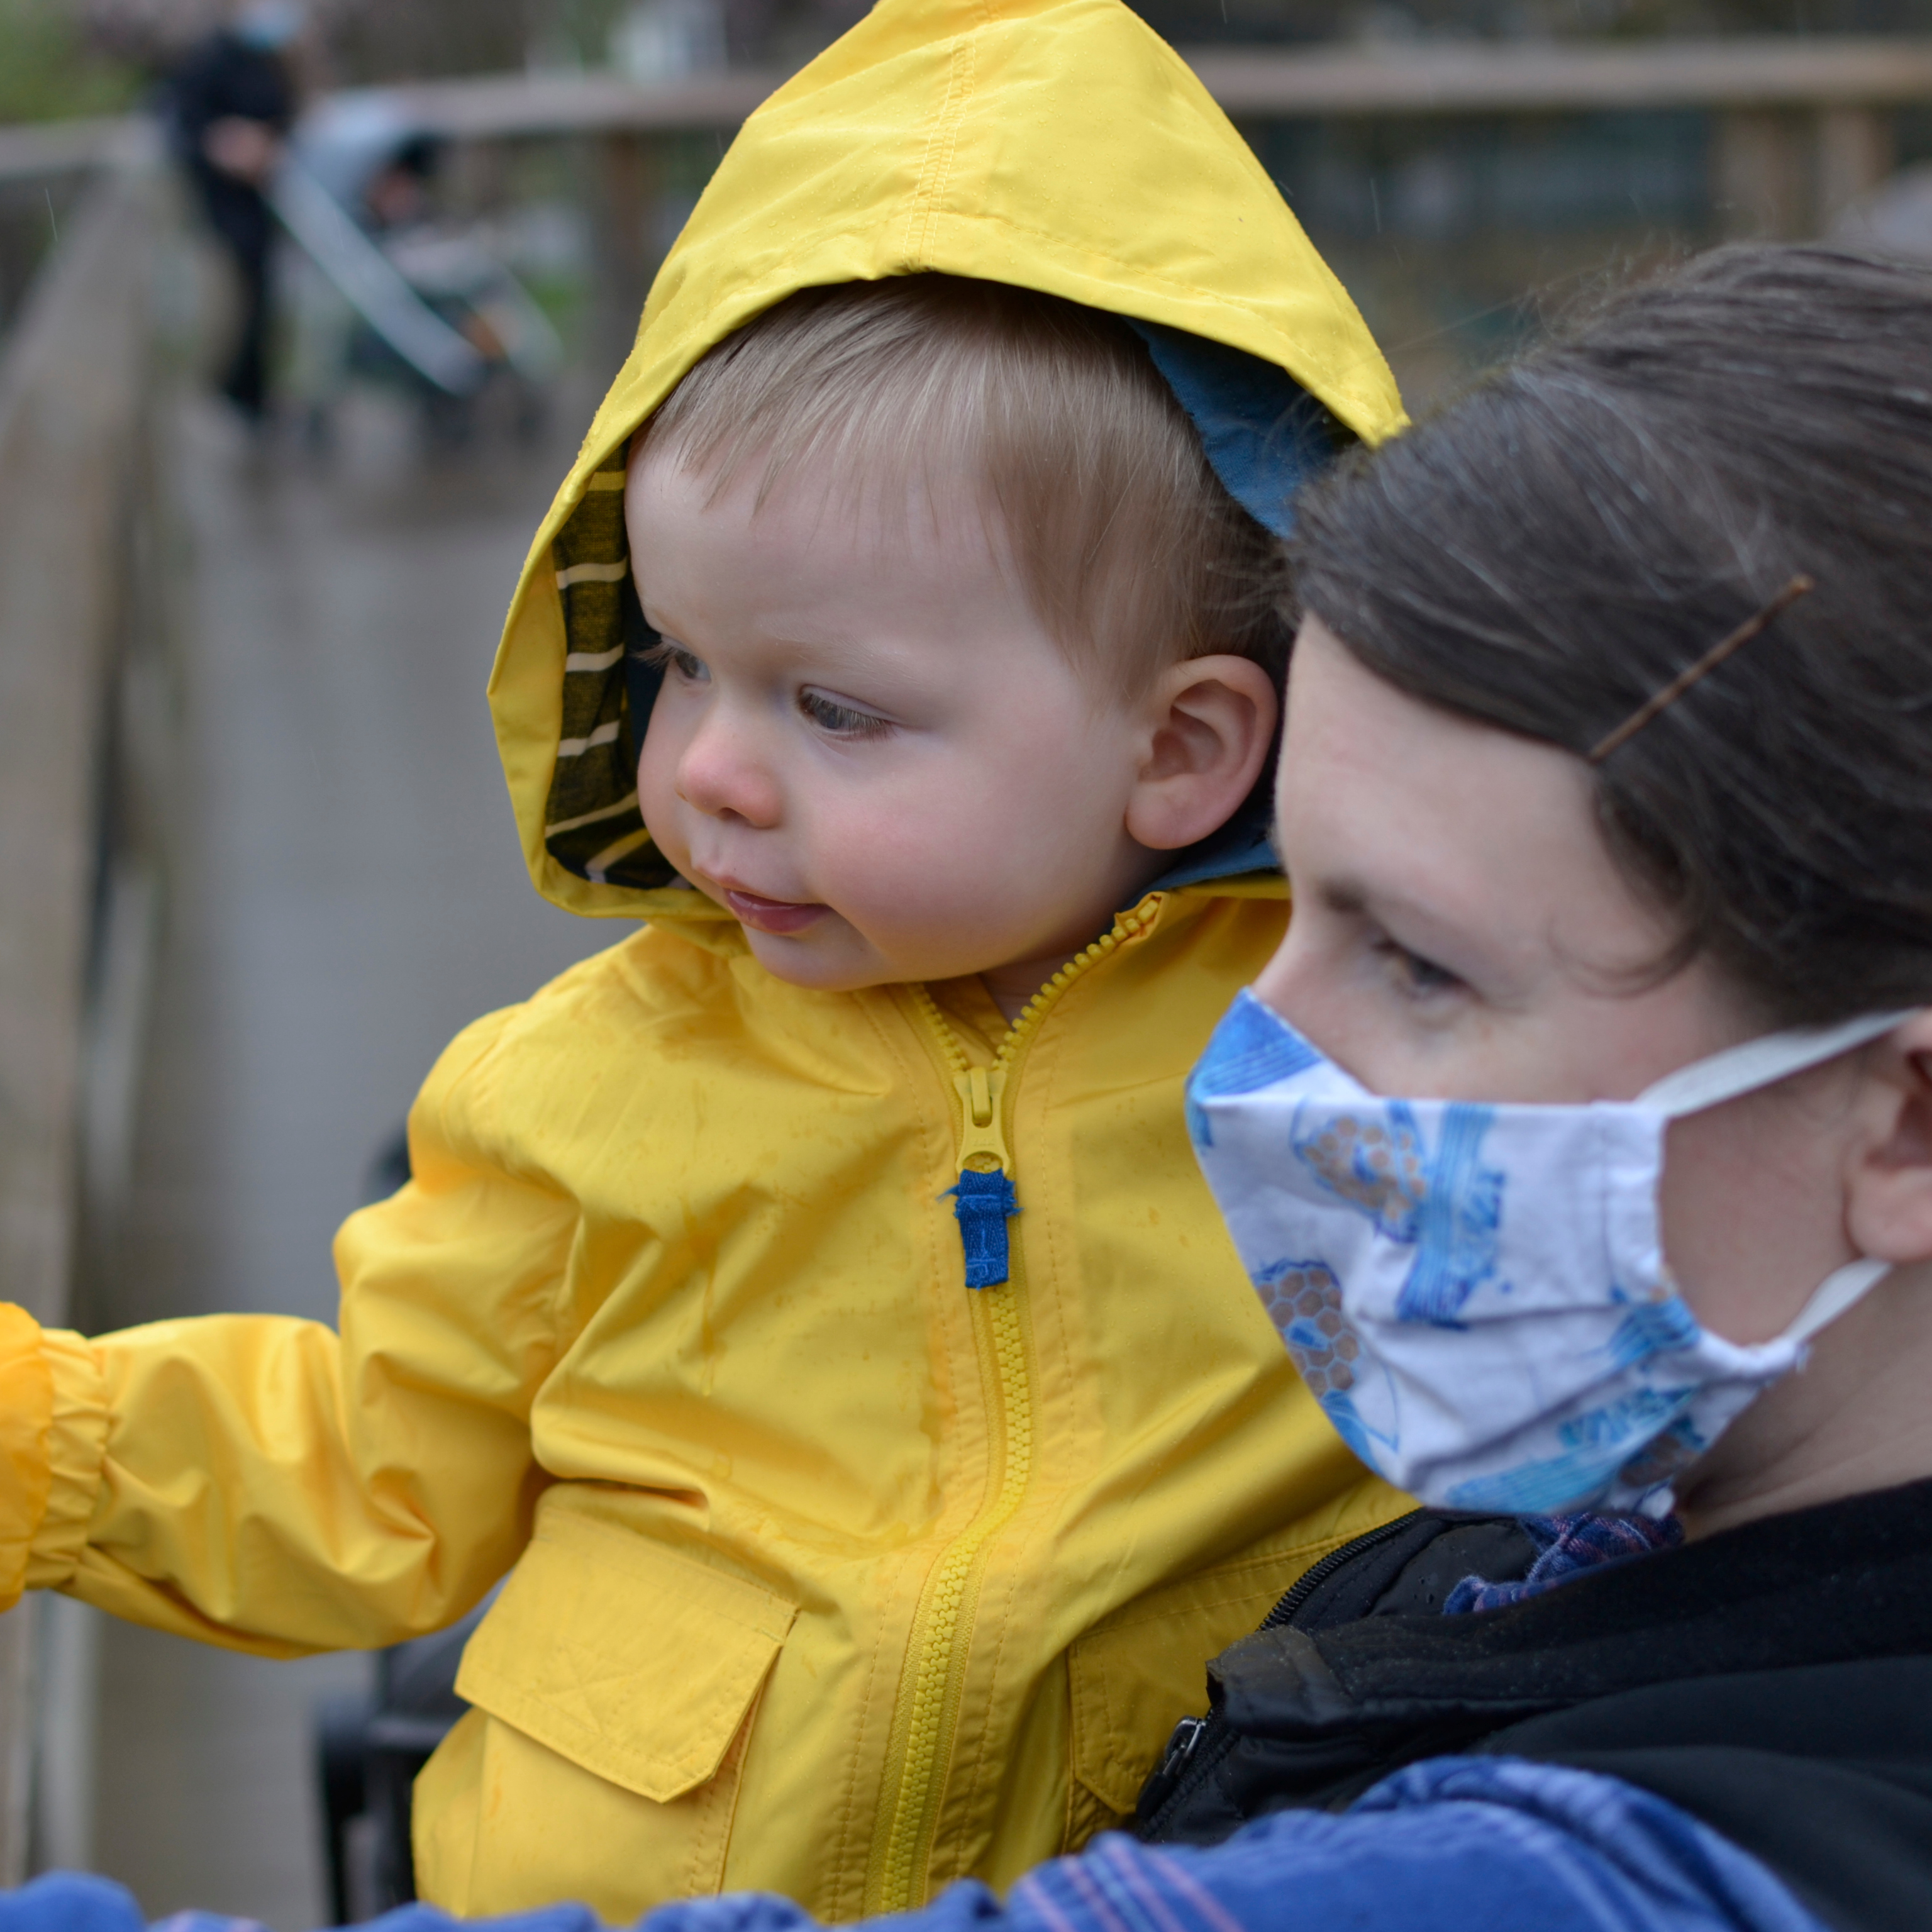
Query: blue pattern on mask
[(1663, 1461), (1251, 1048), (1599, 1443), (1303, 1300), (1346, 1421), (1457, 1223), (1447, 1205), (1652, 1328), (1641, 1414), (1373, 1158)]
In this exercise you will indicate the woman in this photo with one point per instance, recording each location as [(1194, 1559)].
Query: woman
[(1609, 750), (1607, 773)]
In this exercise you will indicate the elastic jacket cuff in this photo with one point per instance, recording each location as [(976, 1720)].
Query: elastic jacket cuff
[(77, 1445), (26, 1417)]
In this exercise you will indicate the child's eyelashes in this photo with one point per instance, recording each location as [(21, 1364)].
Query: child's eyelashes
[(676, 660), (831, 715), (841, 721)]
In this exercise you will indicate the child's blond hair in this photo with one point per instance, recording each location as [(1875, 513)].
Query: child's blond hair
[(1093, 481)]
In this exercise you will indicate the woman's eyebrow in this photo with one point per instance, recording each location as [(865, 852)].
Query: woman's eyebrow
[(1347, 896), (1354, 898), (1426, 920)]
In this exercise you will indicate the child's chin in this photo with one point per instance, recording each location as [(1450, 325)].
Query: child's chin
[(818, 961)]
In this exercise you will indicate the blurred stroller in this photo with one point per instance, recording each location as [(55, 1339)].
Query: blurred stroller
[(386, 293)]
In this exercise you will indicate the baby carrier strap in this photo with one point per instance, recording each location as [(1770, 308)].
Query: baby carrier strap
[(1685, 1663)]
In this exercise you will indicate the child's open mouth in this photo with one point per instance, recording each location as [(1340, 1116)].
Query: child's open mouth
[(779, 915)]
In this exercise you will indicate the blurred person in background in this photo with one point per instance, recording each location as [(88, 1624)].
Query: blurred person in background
[(230, 102)]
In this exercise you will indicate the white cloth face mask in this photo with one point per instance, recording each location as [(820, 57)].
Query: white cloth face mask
[(1476, 1293)]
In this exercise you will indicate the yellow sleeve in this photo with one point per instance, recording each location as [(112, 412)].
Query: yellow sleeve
[(26, 1422), (263, 1483)]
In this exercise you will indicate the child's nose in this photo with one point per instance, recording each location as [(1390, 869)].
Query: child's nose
[(722, 775)]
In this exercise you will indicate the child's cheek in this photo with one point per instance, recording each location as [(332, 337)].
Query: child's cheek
[(657, 802)]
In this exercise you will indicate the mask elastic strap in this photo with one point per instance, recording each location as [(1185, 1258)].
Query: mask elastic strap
[(1761, 1063), (1839, 1291)]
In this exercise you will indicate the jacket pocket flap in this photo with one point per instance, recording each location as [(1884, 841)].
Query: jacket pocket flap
[(628, 1659), (1137, 1673)]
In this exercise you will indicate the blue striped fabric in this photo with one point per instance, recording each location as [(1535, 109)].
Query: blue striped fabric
[(1454, 1845)]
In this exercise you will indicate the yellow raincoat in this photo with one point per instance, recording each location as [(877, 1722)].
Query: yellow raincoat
[(826, 1574)]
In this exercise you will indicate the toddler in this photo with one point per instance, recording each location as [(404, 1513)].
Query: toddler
[(810, 1302)]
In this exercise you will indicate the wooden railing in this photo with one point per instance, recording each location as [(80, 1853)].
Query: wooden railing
[(80, 602), (34, 151), (1830, 94), (1803, 126)]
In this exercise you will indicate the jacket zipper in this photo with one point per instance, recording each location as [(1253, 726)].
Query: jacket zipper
[(1312, 1579), (1199, 1744), (942, 1626)]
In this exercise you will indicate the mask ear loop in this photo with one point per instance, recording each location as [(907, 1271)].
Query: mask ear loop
[(1839, 1290), (1743, 1070), (1738, 1070), (1762, 1063)]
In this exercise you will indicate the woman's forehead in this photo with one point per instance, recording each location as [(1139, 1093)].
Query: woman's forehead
[(1383, 800)]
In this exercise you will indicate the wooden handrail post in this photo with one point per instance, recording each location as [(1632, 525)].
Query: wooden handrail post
[(73, 404), (1759, 184), (631, 178), (1857, 148)]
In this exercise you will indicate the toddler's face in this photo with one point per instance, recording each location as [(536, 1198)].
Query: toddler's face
[(867, 746)]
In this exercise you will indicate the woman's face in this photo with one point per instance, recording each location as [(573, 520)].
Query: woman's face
[(1461, 932)]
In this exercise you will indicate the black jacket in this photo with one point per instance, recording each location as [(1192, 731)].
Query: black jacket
[(220, 76), (1774, 1681)]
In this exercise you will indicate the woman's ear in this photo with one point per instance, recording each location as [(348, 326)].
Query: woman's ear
[(1210, 722), (1888, 1194)]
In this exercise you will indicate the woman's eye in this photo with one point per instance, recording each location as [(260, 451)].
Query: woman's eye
[(675, 661), (841, 721), (1416, 975)]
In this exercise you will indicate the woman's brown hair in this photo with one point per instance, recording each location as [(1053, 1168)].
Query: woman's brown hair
[(1558, 545)]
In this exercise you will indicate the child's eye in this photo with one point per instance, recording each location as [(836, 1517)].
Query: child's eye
[(676, 661), (1418, 977), (841, 721)]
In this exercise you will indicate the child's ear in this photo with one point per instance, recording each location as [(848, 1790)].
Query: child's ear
[(1889, 1192), (1209, 723)]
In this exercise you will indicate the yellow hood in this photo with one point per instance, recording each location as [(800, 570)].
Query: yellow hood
[(1055, 144)]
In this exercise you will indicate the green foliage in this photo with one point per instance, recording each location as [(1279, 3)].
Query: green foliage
[(47, 69)]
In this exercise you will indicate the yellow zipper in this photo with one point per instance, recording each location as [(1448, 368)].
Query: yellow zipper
[(929, 1708)]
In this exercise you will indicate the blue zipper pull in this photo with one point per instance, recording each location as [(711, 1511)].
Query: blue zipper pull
[(984, 1201), (981, 1204)]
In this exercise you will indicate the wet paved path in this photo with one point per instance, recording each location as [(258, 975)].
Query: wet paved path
[(347, 894)]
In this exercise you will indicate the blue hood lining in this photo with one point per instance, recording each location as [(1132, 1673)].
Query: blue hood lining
[(1265, 436)]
